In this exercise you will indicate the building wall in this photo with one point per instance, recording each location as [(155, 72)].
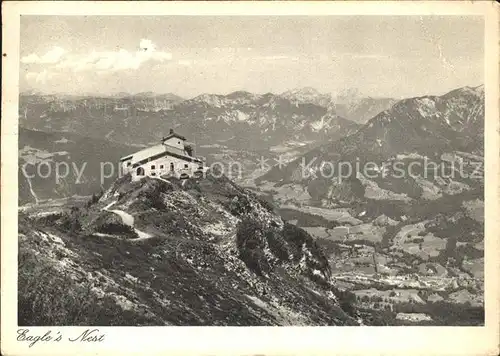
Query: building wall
[(175, 142), (126, 165), (162, 166)]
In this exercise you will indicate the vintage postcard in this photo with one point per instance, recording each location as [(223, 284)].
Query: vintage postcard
[(242, 178)]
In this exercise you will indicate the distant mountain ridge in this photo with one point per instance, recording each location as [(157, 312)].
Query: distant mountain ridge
[(242, 125), (256, 120), (364, 109), (148, 94), (81, 176), (349, 104), (428, 127), (388, 246), (308, 95)]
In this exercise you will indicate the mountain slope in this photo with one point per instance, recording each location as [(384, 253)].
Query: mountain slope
[(350, 105), (308, 95), (362, 109), (58, 165), (179, 253), (239, 127), (260, 120), (413, 128), (399, 206)]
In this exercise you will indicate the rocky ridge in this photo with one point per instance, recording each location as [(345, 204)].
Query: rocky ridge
[(165, 252)]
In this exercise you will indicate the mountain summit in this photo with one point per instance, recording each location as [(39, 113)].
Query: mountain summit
[(170, 252), (308, 95), (427, 126)]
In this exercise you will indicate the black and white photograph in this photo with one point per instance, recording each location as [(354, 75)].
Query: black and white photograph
[(249, 170), (245, 171)]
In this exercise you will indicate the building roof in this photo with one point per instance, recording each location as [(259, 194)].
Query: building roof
[(149, 152), (158, 151), (173, 134), (126, 158)]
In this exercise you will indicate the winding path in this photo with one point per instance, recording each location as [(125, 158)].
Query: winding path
[(31, 190), (128, 220)]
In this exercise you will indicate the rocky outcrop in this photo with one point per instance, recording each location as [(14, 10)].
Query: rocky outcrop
[(216, 255)]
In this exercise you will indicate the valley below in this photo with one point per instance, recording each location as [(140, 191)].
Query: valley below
[(404, 268), (396, 272)]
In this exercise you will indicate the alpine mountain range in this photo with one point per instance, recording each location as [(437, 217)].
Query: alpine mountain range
[(270, 246)]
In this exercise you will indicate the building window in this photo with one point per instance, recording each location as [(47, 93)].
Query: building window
[(153, 166), (179, 142), (186, 165), (171, 166), (153, 174), (140, 171), (128, 164), (161, 167)]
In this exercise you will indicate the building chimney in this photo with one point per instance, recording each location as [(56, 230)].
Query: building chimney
[(171, 131)]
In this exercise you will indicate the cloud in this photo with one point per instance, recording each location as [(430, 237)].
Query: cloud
[(116, 60), (40, 77), (51, 57), (147, 45)]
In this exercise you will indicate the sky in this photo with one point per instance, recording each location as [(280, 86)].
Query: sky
[(380, 56)]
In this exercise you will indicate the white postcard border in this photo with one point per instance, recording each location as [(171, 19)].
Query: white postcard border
[(250, 340)]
